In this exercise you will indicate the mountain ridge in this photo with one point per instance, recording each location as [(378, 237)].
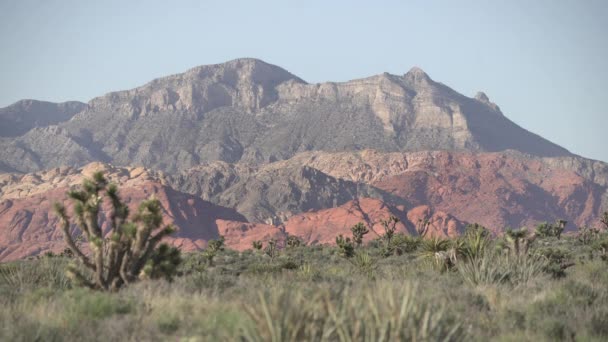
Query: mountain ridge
[(251, 111)]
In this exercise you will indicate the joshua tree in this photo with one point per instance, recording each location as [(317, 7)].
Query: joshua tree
[(213, 247), (346, 246), (587, 235), (389, 229), (257, 245), (359, 230), (293, 241), (271, 249), (543, 229), (547, 229), (519, 241), (128, 251), (558, 228)]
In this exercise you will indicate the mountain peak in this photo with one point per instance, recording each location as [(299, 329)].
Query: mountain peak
[(24, 115), (255, 69), (417, 75), (481, 96)]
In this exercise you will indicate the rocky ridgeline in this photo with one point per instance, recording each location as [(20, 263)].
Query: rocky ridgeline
[(250, 111)]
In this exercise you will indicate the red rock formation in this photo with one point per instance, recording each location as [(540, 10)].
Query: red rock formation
[(322, 227), (449, 189), (30, 227)]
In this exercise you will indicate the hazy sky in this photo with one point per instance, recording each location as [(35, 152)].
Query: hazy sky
[(545, 63)]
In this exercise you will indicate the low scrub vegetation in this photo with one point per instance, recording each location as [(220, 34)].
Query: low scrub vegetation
[(521, 286)]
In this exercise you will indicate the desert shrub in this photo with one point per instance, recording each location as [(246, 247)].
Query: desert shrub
[(400, 244), (546, 229), (257, 245), (293, 241), (600, 247), (28, 274), (382, 313), (308, 272), (86, 304), (168, 324), (346, 247), (487, 269), (494, 268), (364, 264), (193, 263), (558, 260), (598, 324), (525, 269), (587, 235), (196, 283)]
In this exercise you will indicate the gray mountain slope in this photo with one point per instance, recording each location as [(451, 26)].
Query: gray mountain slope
[(20, 117), (249, 111), (272, 193)]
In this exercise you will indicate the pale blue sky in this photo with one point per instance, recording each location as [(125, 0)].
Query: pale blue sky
[(545, 63)]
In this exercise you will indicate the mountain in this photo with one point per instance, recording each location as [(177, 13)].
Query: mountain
[(247, 150), (249, 111), (24, 115)]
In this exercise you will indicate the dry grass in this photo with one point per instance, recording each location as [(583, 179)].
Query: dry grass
[(311, 293)]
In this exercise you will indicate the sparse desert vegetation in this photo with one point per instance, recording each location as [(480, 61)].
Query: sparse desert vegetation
[(522, 286)]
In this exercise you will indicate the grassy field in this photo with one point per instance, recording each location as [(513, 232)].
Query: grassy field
[(472, 288)]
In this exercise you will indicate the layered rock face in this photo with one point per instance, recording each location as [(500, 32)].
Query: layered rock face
[(247, 150), (250, 111), (318, 195)]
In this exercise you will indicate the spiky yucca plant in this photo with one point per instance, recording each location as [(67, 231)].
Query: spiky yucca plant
[(474, 242), (439, 251), (128, 251)]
